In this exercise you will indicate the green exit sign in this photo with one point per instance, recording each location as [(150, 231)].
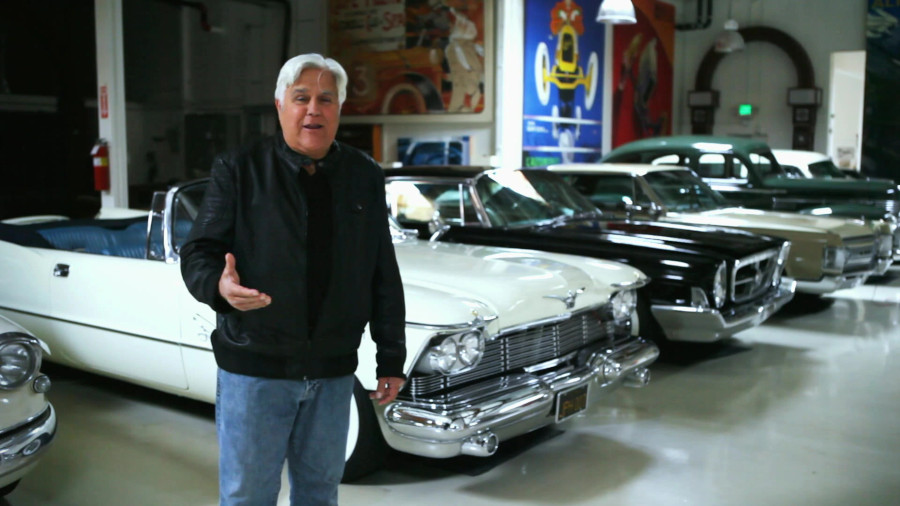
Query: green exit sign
[(745, 110)]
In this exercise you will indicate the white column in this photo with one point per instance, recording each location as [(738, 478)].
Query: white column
[(111, 98), (509, 89)]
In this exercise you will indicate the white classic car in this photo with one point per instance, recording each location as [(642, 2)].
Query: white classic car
[(27, 420), (827, 253), (500, 341)]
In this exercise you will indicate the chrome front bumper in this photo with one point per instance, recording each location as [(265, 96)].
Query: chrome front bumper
[(493, 411), (21, 448), (830, 284), (705, 325)]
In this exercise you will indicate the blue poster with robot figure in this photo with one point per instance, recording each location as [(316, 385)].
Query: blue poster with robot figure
[(563, 96)]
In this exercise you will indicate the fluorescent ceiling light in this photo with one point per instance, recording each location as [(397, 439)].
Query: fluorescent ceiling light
[(616, 12)]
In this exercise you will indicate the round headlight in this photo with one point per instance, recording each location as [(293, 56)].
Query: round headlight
[(720, 286), (471, 346), (443, 356), (623, 304), (19, 362)]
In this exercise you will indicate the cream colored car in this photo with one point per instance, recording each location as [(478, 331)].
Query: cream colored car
[(827, 253), (27, 420)]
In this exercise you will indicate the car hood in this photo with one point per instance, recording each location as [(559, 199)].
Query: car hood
[(519, 286), (680, 239), (776, 223)]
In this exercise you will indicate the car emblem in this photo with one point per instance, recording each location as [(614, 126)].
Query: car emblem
[(568, 299)]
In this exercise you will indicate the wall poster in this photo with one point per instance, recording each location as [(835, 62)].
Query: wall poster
[(563, 93), (881, 112), (642, 73), (411, 57)]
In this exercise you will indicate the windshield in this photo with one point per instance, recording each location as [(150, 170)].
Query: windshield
[(682, 191), (528, 197)]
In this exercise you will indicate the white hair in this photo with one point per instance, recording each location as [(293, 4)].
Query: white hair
[(292, 69)]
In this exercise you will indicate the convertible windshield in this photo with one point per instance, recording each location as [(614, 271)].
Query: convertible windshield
[(682, 191), (529, 197)]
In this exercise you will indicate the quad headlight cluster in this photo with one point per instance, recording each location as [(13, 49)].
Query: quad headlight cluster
[(720, 285), (453, 353), (835, 257), (699, 296), (623, 304), (20, 360)]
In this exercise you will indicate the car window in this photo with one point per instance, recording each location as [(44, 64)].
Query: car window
[(423, 202), (739, 168), (607, 192), (667, 160), (683, 191), (527, 197), (711, 165), (793, 172), (826, 169)]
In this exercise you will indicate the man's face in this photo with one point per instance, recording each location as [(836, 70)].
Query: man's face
[(309, 113)]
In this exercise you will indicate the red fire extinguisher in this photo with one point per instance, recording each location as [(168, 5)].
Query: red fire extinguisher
[(100, 154)]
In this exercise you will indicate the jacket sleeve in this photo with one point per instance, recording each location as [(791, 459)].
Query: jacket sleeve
[(388, 320), (212, 235)]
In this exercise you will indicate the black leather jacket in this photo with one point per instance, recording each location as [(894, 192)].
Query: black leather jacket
[(255, 209)]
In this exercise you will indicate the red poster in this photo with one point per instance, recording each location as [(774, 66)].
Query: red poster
[(642, 73)]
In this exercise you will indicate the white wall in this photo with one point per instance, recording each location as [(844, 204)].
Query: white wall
[(762, 73)]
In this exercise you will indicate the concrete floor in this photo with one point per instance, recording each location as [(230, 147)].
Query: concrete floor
[(802, 410)]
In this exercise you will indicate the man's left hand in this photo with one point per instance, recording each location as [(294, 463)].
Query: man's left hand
[(387, 390)]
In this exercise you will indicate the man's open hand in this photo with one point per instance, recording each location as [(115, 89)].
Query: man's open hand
[(240, 297)]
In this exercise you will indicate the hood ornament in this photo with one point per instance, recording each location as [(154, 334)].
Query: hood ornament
[(568, 299)]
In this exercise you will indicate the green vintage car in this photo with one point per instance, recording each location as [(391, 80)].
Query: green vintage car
[(746, 172), (827, 253)]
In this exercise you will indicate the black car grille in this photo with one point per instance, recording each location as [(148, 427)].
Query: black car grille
[(524, 347), (754, 275)]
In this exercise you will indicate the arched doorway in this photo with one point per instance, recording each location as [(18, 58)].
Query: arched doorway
[(805, 98)]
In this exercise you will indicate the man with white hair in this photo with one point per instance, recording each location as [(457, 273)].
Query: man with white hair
[(291, 248)]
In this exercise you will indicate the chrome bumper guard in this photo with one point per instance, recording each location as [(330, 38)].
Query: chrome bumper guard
[(493, 411), (706, 325), (23, 446), (882, 265)]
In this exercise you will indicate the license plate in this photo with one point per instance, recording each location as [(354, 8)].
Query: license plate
[(571, 402)]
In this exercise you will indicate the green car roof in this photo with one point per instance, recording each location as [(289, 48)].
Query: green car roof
[(686, 144)]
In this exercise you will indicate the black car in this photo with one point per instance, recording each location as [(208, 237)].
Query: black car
[(707, 283)]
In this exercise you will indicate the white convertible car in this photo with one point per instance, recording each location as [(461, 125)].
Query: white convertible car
[(27, 420), (500, 341)]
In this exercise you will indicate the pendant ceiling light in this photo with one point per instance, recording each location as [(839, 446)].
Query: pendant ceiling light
[(730, 40), (616, 12)]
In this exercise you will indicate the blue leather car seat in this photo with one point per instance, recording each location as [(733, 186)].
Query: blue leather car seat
[(89, 239)]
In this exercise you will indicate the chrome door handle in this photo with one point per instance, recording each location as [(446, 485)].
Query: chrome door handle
[(61, 271)]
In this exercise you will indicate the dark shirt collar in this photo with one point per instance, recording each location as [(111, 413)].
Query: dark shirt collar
[(296, 161)]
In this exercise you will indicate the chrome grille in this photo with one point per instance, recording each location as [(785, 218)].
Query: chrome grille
[(861, 253), (516, 349), (754, 275)]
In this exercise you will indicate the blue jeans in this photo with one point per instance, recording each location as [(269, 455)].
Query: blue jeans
[(262, 422)]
